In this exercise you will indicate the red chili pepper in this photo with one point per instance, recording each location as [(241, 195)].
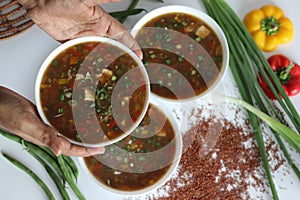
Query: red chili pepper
[(288, 74), (112, 124)]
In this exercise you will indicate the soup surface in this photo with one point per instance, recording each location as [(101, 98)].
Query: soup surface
[(182, 54), (139, 160), (93, 92)]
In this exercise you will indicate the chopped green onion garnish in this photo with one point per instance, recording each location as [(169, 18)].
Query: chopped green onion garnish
[(111, 149), (198, 39), (113, 78), (193, 72), (55, 63), (180, 58), (102, 96), (168, 61), (200, 57), (141, 158), (217, 58), (184, 23), (99, 60), (93, 105), (78, 138), (153, 56), (61, 96), (60, 110), (146, 62), (72, 102), (178, 46), (160, 83)]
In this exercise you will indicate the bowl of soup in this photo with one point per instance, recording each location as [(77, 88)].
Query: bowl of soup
[(142, 161), (93, 90), (185, 52)]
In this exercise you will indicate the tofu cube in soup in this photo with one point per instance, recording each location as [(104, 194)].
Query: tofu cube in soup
[(202, 32)]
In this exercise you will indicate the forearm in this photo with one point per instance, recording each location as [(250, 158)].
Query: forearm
[(5, 110)]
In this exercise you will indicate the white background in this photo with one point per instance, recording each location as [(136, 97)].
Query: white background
[(21, 56)]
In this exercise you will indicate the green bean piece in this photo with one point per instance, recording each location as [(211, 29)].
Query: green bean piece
[(45, 155), (47, 150), (131, 7), (32, 174), (72, 165), (54, 177), (127, 12), (69, 177), (11, 136), (67, 167), (35, 148), (63, 165)]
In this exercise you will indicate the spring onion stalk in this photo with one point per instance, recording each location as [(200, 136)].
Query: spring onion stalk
[(260, 63), (131, 7), (283, 130), (245, 69), (253, 87), (245, 93), (246, 60), (32, 174)]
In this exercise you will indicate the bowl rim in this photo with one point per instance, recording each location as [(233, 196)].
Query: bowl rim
[(171, 171), (210, 22), (85, 39)]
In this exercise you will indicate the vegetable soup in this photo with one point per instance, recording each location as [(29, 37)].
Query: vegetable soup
[(182, 54), (93, 92), (139, 160)]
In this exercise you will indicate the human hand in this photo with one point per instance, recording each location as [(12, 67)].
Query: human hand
[(19, 116), (68, 19)]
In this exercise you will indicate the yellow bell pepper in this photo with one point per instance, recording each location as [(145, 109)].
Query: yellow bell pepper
[(269, 27)]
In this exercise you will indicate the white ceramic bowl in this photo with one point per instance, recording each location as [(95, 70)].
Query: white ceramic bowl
[(80, 40), (203, 17), (172, 169)]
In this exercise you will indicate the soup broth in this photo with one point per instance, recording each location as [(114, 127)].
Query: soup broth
[(182, 54), (139, 160), (77, 88)]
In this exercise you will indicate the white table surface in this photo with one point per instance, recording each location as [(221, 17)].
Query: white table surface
[(21, 56)]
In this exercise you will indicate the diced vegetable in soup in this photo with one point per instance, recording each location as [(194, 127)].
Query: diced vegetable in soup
[(182, 54), (78, 86), (139, 160)]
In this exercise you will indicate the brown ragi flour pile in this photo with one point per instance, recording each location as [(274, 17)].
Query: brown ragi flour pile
[(225, 171)]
